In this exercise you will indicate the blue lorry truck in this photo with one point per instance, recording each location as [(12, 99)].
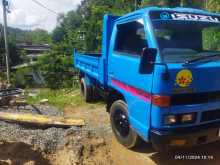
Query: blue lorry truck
[(159, 71)]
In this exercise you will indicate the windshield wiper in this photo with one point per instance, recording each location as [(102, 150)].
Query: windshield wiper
[(202, 58)]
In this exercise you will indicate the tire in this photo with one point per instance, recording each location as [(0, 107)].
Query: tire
[(86, 91), (121, 127), (96, 95)]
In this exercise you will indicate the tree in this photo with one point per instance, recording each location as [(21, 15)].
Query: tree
[(87, 20), (173, 3), (213, 5), (56, 69)]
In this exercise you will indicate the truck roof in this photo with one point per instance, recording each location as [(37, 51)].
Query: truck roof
[(176, 9)]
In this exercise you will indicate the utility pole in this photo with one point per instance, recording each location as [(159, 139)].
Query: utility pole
[(5, 4)]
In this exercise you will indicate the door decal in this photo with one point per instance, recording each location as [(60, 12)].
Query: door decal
[(134, 91)]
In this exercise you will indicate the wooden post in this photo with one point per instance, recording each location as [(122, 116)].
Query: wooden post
[(5, 4), (40, 120)]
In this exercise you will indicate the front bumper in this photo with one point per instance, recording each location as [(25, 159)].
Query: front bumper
[(162, 140)]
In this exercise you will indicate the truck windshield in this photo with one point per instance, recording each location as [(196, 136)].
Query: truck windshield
[(182, 40)]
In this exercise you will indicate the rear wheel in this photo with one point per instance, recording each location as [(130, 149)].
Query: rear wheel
[(121, 126), (86, 91)]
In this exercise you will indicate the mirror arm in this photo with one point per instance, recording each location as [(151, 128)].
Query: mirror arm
[(165, 75)]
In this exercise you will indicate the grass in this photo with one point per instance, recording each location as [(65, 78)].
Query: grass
[(58, 98)]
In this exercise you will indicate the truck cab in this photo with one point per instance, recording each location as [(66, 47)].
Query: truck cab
[(158, 71)]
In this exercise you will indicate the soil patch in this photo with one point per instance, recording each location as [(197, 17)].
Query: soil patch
[(22, 145)]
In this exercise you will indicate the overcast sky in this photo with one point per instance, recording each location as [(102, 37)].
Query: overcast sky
[(26, 14)]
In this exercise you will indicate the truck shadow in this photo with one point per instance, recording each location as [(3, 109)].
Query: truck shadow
[(202, 155)]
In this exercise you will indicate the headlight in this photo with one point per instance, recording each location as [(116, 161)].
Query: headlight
[(180, 118), (171, 119), (187, 118)]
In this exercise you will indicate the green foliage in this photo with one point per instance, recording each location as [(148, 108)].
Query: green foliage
[(20, 78), (23, 55), (173, 3), (212, 39), (14, 55), (58, 34), (213, 5), (2, 76), (37, 36), (88, 18), (58, 98), (56, 69)]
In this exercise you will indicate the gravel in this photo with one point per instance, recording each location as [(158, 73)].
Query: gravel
[(40, 109), (47, 140)]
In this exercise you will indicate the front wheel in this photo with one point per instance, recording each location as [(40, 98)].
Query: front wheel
[(121, 127)]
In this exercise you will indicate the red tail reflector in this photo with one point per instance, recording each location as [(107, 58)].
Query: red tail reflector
[(161, 101)]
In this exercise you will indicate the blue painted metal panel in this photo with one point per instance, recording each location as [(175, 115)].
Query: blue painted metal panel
[(108, 24), (205, 79), (125, 68), (88, 64)]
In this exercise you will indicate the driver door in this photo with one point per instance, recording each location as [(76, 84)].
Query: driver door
[(130, 39)]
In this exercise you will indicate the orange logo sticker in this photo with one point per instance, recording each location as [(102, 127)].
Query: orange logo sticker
[(184, 78)]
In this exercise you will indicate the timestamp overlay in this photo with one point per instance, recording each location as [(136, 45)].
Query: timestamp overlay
[(193, 157)]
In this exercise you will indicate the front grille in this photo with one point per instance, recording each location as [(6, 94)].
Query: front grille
[(210, 115), (195, 98)]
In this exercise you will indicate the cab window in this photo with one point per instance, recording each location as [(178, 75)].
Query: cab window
[(131, 38)]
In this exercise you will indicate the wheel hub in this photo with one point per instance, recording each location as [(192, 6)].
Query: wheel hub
[(121, 123)]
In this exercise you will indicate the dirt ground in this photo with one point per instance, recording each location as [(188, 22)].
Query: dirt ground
[(96, 117), (99, 147)]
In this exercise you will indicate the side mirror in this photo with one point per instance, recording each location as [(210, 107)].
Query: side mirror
[(147, 60)]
